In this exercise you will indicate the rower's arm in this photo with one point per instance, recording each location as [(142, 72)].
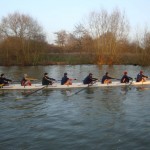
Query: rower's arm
[(52, 79), (8, 80), (130, 78), (94, 79), (145, 76)]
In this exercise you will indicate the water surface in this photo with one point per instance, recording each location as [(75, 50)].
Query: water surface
[(107, 118)]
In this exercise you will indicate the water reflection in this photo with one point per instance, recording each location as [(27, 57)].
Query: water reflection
[(2, 93), (90, 90), (142, 88), (111, 99), (125, 89)]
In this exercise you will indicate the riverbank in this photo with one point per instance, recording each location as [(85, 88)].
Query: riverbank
[(81, 58)]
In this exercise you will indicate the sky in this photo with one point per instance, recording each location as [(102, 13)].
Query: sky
[(56, 15)]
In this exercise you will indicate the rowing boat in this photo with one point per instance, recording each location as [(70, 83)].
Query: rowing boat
[(74, 85)]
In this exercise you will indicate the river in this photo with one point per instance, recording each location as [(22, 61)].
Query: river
[(107, 118)]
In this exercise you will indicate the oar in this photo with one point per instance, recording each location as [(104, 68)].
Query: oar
[(32, 79), (116, 79), (26, 95), (70, 94), (129, 85), (36, 91)]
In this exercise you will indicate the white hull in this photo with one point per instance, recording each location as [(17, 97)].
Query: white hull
[(74, 85)]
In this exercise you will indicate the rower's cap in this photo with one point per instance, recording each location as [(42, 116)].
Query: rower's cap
[(2, 74), (65, 74), (141, 71), (106, 73), (125, 72), (45, 73)]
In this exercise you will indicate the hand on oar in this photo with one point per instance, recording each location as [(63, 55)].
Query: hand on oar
[(72, 79)]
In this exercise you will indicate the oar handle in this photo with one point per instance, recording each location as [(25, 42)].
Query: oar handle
[(116, 78), (32, 79), (72, 78), (69, 78)]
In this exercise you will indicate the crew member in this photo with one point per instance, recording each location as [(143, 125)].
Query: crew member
[(141, 77), (106, 79), (89, 79), (65, 80), (25, 81), (4, 81), (47, 80), (125, 78)]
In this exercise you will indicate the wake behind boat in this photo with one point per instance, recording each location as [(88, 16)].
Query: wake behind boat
[(74, 85)]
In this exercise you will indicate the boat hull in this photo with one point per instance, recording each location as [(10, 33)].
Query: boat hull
[(74, 85)]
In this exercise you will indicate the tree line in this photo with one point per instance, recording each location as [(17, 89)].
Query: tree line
[(101, 38)]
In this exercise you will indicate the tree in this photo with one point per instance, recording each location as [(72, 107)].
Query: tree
[(80, 34), (27, 35), (61, 37), (147, 41), (22, 26), (107, 30)]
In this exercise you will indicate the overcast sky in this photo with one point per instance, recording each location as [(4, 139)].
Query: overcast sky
[(56, 15)]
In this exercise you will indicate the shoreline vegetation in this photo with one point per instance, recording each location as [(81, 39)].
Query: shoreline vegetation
[(102, 39), (78, 59)]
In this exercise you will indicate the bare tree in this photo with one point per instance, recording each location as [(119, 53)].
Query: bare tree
[(107, 30), (61, 37), (22, 26), (145, 53), (80, 33), (24, 31)]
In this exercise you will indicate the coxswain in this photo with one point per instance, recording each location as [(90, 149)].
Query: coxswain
[(25, 81), (106, 79), (125, 78), (141, 77), (89, 79), (4, 81), (47, 80)]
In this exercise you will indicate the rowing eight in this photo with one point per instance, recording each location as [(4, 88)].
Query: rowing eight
[(74, 85)]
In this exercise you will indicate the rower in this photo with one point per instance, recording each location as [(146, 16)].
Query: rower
[(4, 81), (66, 81), (25, 81), (125, 78), (47, 80), (141, 77), (106, 79), (89, 79)]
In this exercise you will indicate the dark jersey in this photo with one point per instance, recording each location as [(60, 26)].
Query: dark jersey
[(64, 80), (125, 79), (140, 77), (46, 80), (89, 80), (4, 80), (105, 77)]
